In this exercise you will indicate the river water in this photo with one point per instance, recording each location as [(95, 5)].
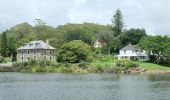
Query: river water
[(51, 86)]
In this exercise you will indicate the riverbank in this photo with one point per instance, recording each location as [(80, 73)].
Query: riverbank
[(127, 67)]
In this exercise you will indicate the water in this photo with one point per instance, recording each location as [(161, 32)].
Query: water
[(27, 86)]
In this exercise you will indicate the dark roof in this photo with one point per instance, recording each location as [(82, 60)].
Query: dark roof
[(129, 47), (36, 45)]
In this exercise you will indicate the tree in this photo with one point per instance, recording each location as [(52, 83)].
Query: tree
[(132, 36), (107, 37), (12, 46), (78, 34), (157, 47), (74, 52), (4, 47), (118, 23)]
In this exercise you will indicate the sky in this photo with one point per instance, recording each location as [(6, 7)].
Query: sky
[(152, 15)]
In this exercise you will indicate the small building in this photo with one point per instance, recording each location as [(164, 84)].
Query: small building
[(131, 52), (98, 43), (36, 50)]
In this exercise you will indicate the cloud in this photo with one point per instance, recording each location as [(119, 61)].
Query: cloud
[(149, 14)]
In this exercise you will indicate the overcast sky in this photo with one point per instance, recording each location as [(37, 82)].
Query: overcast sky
[(153, 15)]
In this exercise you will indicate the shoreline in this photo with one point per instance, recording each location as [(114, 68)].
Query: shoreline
[(137, 70)]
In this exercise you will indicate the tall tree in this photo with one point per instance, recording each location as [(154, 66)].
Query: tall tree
[(4, 46), (118, 23), (12, 46)]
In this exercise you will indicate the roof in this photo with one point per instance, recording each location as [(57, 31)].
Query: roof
[(36, 45), (129, 47), (99, 42)]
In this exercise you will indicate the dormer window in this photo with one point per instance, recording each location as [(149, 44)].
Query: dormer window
[(37, 44), (30, 44)]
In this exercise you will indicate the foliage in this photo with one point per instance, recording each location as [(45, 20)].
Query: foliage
[(83, 64), (1, 59), (78, 34), (34, 66), (4, 46), (118, 23), (132, 36), (124, 65), (74, 52), (107, 36), (157, 47), (12, 46)]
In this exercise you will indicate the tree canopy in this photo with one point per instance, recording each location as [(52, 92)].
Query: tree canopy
[(74, 52)]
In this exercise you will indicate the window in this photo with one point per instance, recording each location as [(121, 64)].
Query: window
[(124, 51), (22, 58), (133, 51), (22, 52), (50, 58), (28, 58), (45, 52), (45, 57), (34, 51), (50, 52), (28, 52), (37, 44)]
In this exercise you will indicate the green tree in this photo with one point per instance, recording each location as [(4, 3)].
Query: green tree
[(4, 45), (118, 23), (78, 34), (74, 52), (12, 46), (157, 46), (108, 37), (132, 36)]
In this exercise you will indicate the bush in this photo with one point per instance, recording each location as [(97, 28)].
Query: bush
[(74, 52), (35, 66), (83, 65), (124, 65), (1, 59)]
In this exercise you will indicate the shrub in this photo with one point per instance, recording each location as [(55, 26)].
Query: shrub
[(83, 65), (1, 59), (74, 52), (124, 65), (35, 66)]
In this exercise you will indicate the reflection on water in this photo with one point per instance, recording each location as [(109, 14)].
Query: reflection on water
[(25, 86)]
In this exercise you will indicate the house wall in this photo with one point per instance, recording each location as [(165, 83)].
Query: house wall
[(128, 53), (132, 53), (97, 45), (38, 54)]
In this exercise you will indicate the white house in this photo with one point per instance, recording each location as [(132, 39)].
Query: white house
[(98, 43), (131, 52)]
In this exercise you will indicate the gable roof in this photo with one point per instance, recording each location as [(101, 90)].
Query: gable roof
[(36, 45), (129, 47)]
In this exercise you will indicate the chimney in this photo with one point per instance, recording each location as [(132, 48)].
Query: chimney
[(47, 41)]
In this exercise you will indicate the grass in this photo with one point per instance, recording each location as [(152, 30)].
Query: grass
[(103, 64), (151, 66)]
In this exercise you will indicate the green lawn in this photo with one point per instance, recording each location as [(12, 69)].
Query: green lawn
[(151, 66)]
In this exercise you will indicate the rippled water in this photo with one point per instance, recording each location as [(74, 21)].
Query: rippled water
[(27, 86)]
